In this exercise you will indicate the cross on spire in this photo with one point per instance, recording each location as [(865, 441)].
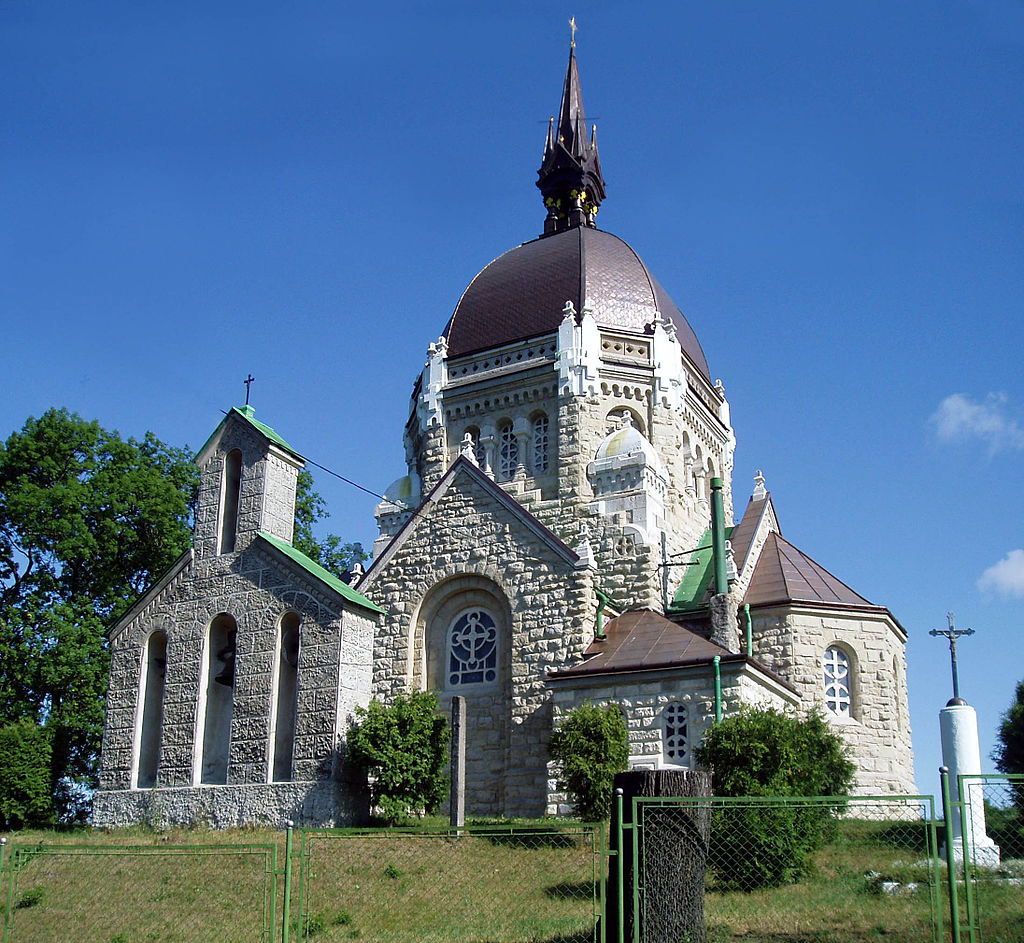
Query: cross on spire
[(952, 633), (248, 383), (572, 28)]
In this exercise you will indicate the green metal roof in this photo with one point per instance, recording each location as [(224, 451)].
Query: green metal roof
[(249, 415), (325, 576), (700, 574)]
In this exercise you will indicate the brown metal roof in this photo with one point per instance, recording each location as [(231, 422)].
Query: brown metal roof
[(522, 294), (640, 640), (786, 574)]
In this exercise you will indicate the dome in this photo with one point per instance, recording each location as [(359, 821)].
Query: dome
[(627, 441), (522, 293)]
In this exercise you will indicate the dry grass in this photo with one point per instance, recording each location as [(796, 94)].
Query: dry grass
[(491, 887)]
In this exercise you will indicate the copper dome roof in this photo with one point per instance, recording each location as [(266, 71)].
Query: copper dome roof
[(522, 293)]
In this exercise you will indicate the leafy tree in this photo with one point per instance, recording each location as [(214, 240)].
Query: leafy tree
[(403, 748), (1008, 753), (87, 521), (763, 752), (25, 792), (331, 553), (590, 747)]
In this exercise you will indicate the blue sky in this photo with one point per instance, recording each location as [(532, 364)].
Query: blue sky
[(832, 194)]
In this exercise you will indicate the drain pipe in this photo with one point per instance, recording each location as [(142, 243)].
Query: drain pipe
[(718, 536), (750, 630), (602, 601), (718, 688)]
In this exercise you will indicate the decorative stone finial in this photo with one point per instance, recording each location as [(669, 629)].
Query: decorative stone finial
[(584, 550), (759, 489), (569, 311), (467, 449)]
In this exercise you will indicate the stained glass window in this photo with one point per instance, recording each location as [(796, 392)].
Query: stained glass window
[(472, 649), (675, 746), (837, 682), (540, 445), (508, 451)]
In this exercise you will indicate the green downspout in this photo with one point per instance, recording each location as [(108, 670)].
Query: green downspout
[(718, 536), (750, 630), (718, 688), (602, 601)]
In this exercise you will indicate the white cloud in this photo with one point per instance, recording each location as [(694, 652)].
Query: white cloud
[(1005, 577), (959, 419)]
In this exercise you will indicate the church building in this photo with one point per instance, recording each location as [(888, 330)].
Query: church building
[(564, 532)]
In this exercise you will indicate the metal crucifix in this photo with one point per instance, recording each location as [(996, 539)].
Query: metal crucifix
[(953, 634), (248, 382)]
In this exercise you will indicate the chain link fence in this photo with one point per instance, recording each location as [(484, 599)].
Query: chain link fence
[(166, 894), (991, 827), (789, 869), (507, 885)]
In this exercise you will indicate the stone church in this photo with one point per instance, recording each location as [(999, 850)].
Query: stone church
[(565, 532)]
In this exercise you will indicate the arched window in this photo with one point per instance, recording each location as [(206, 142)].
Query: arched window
[(675, 744), (508, 451), (283, 735), (838, 698), (540, 444), (219, 700), (472, 649), (151, 690), (231, 490)]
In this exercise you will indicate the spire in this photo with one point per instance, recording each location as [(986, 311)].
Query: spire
[(570, 174)]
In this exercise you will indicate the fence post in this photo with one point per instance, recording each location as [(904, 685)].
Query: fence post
[(620, 836), (6, 908), (947, 816), (286, 909)]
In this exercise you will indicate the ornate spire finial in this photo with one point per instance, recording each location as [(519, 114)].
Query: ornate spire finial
[(570, 177), (572, 29)]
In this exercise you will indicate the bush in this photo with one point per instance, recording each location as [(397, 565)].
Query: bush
[(590, 747), (763, 752), (403, 749), (25, 797)]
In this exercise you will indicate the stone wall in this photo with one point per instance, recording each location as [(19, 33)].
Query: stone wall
[(255, 587), (643, 699), (468, 540), (792, 641)]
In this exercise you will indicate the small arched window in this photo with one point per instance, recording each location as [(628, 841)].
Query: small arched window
[(231, 490), (283, 739), (838, 697), (152, 713), (219, 700), (675, 741), (540, 444), (508, 451), (472, 649)]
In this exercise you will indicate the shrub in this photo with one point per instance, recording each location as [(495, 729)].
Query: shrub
[(25, 797), (763, 752), (403, 749), (590, 747)]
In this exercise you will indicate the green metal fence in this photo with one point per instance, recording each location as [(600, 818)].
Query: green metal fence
[(990, 844), (106, 894), (500, 885), (779, 869), (831, 870)]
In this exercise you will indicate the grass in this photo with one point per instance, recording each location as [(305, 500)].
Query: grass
[(497, 886)]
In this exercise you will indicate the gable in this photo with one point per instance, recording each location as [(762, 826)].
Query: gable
[(444, 516)]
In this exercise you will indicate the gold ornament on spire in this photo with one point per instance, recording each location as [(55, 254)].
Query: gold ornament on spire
[(572, 28)]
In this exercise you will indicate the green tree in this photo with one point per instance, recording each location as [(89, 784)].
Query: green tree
[(25, 791), (88, 520), (1008, 753), (332, 553), (762, 752), (403, 749), (590, 746)]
